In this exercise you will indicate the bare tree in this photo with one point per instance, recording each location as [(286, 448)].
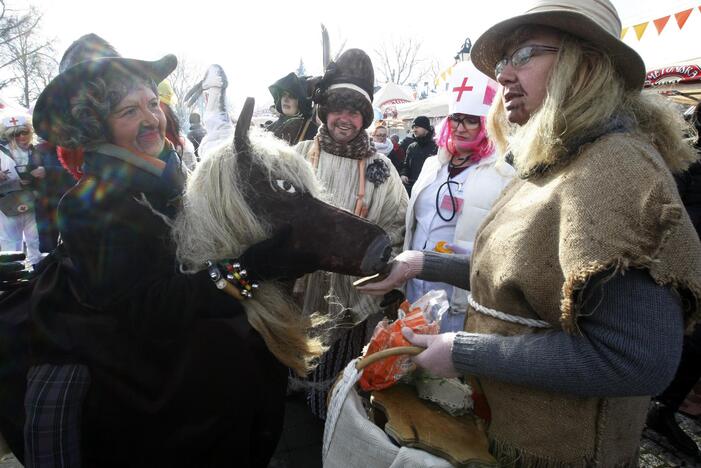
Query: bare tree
[(400, 62), (184, 77), (434, 73), (26, 58)]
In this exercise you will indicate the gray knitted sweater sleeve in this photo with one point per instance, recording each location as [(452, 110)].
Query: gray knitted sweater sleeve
[(630, 344), (446, 268)]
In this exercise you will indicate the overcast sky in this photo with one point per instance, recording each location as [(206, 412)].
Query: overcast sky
[(259, 41)]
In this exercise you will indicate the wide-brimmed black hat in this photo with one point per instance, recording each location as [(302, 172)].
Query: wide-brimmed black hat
[(87, 58), (294, 86)]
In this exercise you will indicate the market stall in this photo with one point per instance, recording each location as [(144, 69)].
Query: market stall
[(681, 83), (389, 97)]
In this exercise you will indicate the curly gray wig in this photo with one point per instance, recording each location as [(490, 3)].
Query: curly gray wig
[(86, 124)]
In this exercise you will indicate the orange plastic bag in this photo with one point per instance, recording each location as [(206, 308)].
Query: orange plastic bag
[(387, 372)]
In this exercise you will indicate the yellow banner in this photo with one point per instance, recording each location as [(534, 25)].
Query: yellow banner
[(640, 29)]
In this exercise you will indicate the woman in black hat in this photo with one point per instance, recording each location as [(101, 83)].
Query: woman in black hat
[(296, 122), (113, 300)]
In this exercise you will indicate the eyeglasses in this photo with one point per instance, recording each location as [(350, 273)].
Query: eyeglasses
[(522, 55), (21, 133), (468, 122)]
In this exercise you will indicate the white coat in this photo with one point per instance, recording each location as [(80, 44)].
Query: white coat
[(482, 184), (22, 227)]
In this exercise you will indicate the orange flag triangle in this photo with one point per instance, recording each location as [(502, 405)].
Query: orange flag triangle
[(660, 23), (625, 30), (682, 16), (640, 29)]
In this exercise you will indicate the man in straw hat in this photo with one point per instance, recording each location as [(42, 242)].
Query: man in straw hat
[(358, 179), (587, 266)]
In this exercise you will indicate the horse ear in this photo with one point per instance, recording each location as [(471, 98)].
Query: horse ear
[(242, 126)]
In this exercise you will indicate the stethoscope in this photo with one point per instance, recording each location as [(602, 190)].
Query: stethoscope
[(448, 184)]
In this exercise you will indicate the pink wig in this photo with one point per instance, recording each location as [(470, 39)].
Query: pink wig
[(481, 146)]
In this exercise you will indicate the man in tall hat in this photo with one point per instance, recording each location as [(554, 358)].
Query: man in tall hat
[(358, 179)]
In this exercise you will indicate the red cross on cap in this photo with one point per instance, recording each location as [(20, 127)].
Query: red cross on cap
[(14, 121), (462, 88)]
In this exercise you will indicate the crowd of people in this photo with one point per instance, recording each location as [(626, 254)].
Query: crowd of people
[(556, 205)]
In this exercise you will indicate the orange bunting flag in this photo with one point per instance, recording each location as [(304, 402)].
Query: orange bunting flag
[(660, 23), (682, 16), (640, 29), (624, 31)]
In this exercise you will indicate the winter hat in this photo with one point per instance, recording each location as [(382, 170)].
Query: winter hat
[(423, 122), (87, 58), (595, 21), (347, 83)]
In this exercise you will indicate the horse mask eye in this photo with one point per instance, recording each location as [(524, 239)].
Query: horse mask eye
[(285, 186)]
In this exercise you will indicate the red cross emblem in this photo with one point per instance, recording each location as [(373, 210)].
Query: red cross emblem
[(14, 121), (462, 88)]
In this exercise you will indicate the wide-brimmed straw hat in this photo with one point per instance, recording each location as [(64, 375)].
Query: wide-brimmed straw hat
[(595, 21), (87, 58)]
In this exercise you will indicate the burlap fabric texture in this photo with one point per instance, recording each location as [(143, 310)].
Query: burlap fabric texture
[(613, 205)]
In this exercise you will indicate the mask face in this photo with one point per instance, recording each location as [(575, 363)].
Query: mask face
[(344, 125), (419, 131), (525, 85), (23, 138), (138, 123), (380, 135), (464, 129), (289, 104)]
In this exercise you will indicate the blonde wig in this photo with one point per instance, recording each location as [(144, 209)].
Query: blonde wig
[(217, 222), (11, 135), (584, 94)]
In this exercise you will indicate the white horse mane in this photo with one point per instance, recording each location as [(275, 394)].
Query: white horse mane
[(216, 221)]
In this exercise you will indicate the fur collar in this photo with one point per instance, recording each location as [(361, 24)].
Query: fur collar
[(617, 124)]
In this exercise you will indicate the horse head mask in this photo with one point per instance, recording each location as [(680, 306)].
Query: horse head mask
[(245, 193)]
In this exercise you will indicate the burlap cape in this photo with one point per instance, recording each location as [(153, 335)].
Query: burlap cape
[(614, 205)]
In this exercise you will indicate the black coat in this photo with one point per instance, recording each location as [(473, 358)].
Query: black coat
[(689, 184), (179, 377), (49, 191), (195, 135), (293, 129), (416, 154)]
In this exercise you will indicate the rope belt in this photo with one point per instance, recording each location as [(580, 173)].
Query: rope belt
[(506, 317)]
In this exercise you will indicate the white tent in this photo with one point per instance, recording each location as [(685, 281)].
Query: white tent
[(435, 108), (391, 94)]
